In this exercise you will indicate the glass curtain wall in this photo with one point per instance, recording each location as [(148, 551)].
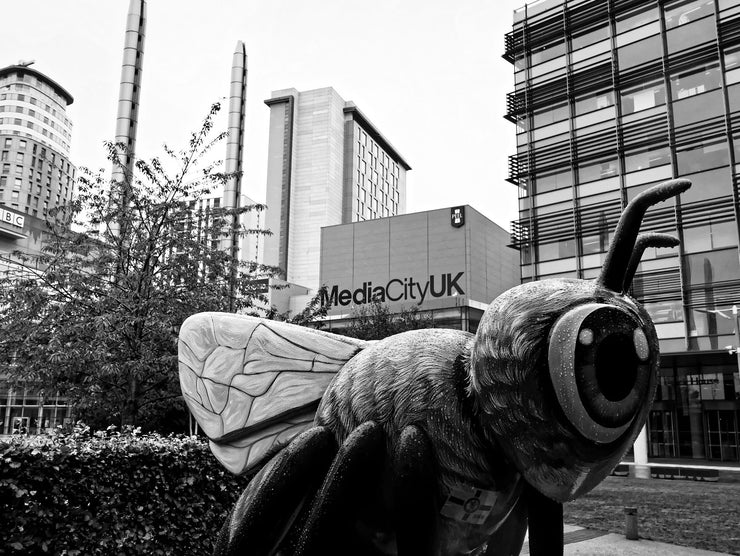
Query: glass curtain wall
[(610, 98)]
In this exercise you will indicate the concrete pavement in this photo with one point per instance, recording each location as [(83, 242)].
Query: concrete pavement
[(591, 542)]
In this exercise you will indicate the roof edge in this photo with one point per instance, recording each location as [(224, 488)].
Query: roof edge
[(56, 86), (360, 118)]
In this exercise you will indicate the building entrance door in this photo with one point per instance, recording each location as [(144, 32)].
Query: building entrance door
[(662, 434), (722, 434)]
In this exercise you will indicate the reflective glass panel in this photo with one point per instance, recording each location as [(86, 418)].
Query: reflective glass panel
[(687, 36), (548, 52), (556, 250), (733, 95), (579, 41), (551, 115), (647, 159), (684, 12), (640, 52), (557, 180), (698, 108), (708, 185), (664, 311), (636, 19), (713, 266), (703, 156), (594, 101), (695, 81), (591, 171), (643, 97), (710, 236)]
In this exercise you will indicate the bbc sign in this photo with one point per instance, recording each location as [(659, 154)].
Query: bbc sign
[(12, 218)]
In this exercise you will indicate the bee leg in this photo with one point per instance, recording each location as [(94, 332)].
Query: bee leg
[(268, 506), (355, 473), (545, 523), (415, 502)]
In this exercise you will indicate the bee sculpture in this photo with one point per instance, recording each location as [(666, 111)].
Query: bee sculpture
[(430, 441)]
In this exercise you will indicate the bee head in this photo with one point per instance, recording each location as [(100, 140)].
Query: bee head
[(563, 371)]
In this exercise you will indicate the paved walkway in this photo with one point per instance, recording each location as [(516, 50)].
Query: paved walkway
[(591, 542)]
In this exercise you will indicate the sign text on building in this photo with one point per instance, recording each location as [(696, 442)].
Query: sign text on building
[(397, 289), (12, 218)]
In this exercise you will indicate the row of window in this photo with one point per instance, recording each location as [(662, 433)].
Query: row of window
[(37, 115), (20, 158), (707, 237), (38, 128), (29, 84), (683, 84), (22, 145), (677, 14)]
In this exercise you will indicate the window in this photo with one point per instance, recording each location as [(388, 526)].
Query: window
[(551, 115), (15, 195), (557, 250), (694, 82), (640, 52), (683, 12), (595, 243), (6, 168), (553, 181), (643, 97), (4, 155), (19, 157), (664, 311), (646, 159), (712, 266), (709, 237), (698, 108), (591, 171), (702, 156), (590, 37), (636, 19), (708, 185), (594, 101), (8, 142)]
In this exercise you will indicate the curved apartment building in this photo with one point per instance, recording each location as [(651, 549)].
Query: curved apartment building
[(35, 172)]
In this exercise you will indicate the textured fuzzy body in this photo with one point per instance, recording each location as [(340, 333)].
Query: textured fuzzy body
[(421, 378)]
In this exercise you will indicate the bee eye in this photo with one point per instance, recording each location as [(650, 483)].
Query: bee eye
[(600, 364)]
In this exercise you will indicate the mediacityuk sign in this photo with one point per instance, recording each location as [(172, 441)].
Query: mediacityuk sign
[(397, 289)]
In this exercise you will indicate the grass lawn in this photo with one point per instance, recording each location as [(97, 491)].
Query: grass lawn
[(688, 513)]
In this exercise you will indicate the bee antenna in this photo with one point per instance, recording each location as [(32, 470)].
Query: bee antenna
[(643, 242), (620, 252)]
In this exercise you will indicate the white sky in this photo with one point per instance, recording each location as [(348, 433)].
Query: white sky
[(427, 73)]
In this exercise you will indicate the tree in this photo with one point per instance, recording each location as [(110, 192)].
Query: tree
[(123, 265), (374, 321)]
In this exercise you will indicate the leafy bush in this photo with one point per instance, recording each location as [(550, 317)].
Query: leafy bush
[(111, 493)]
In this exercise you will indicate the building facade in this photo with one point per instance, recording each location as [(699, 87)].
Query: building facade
[(35, 172), (36, 176), (448, 263), (610, 98), (327, 165)]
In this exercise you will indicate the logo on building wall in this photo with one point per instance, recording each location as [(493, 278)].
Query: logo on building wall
[(12, 218), (406, 289), (457, 216)]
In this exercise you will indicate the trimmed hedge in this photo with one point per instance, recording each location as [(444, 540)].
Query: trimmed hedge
[(110, 493)]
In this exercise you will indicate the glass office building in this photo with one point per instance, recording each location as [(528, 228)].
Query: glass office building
[(612, 97)]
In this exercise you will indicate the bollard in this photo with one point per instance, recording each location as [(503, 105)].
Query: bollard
[(630, 523)]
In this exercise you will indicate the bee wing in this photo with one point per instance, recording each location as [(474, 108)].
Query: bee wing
[(251, 382)]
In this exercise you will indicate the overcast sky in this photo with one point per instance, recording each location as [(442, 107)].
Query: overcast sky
[(427, 73)]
